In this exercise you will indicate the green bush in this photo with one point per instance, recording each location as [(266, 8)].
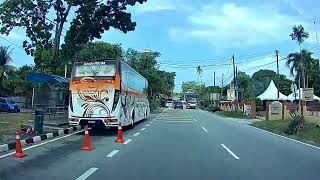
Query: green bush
[(154, 104), (296, 124), (212, 108)]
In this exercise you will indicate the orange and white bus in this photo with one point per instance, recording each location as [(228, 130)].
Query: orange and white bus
[(107, 93)]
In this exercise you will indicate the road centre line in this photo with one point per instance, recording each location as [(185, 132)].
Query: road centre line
[(204, 129), (229, 151), (127, 141), (46, 142), (87, 173), (112, 153), (136, 134), (143, 129)]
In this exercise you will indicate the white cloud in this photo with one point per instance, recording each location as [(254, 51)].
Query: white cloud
[(156, 5), (231, 25)]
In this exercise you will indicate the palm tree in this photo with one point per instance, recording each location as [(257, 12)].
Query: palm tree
[(5, 58), (298, 61), (199, 72), (300, 35)]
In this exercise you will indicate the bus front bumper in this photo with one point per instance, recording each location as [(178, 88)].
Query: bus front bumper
[(94, 122)]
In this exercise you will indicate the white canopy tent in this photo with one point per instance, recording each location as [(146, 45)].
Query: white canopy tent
[(271, 93), (292, 97)]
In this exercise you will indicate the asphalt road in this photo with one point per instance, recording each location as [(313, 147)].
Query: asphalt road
[(177, 144)]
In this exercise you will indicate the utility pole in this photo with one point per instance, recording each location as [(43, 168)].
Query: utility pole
[(236, 88), (315, 28), (234, 81), (222, 85), (214, 79), (277, 55), (234, 73)]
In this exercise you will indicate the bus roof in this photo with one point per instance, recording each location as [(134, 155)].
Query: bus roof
[(112, 59)]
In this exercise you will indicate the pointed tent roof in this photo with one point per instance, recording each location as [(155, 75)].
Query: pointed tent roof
[(292, 98), (271, 93)]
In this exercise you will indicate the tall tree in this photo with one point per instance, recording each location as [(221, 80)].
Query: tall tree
[(91, 19), (298, 62), (190, 86), (5, 58), (300, 35), (261, 80), (146, 64), (99, 51), (199, 72)]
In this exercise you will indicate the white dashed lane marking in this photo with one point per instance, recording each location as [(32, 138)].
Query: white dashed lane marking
[(229, 151), (127, 141), (112, 153), (143, 129), (204, 129), (136, 134), (87, 174)]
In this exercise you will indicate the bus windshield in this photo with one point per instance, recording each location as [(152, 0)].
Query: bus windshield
[(94, 69)]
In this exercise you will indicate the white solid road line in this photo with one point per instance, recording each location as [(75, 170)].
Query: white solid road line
[(159, 114), (306, 144), (112, 153), (143, 129), (174, 121), (40, 144), (127, 141), (136, 134), (229, 151), (204, 129), (87, 174)]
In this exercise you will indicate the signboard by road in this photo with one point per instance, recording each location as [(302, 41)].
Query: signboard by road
[(247, 110), (276, 107), (307, 94), (214, 96), (231, 94)]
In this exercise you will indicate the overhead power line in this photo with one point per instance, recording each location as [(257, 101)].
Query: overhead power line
[(215, 59), (12, 43), (174, 65)]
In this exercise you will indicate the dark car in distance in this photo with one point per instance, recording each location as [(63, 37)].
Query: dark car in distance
[(178, 104), (7, 105)]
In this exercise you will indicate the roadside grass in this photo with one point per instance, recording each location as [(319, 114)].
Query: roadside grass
[(9, 122), (231, 114), (309, 133)]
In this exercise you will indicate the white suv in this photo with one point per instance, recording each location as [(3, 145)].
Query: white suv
[(169, 104), (191, 105)]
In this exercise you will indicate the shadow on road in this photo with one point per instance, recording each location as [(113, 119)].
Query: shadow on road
[(110, 131)]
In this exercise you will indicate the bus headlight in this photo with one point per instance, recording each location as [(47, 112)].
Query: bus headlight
[(74, 119)]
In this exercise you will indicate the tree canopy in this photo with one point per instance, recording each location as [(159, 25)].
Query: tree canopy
[(5, 58), (44, 30), (160, 82)]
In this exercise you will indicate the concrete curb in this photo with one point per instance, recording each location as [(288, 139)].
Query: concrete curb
[(36, 139)]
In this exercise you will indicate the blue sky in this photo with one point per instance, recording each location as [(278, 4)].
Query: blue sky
[(189, 33)]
